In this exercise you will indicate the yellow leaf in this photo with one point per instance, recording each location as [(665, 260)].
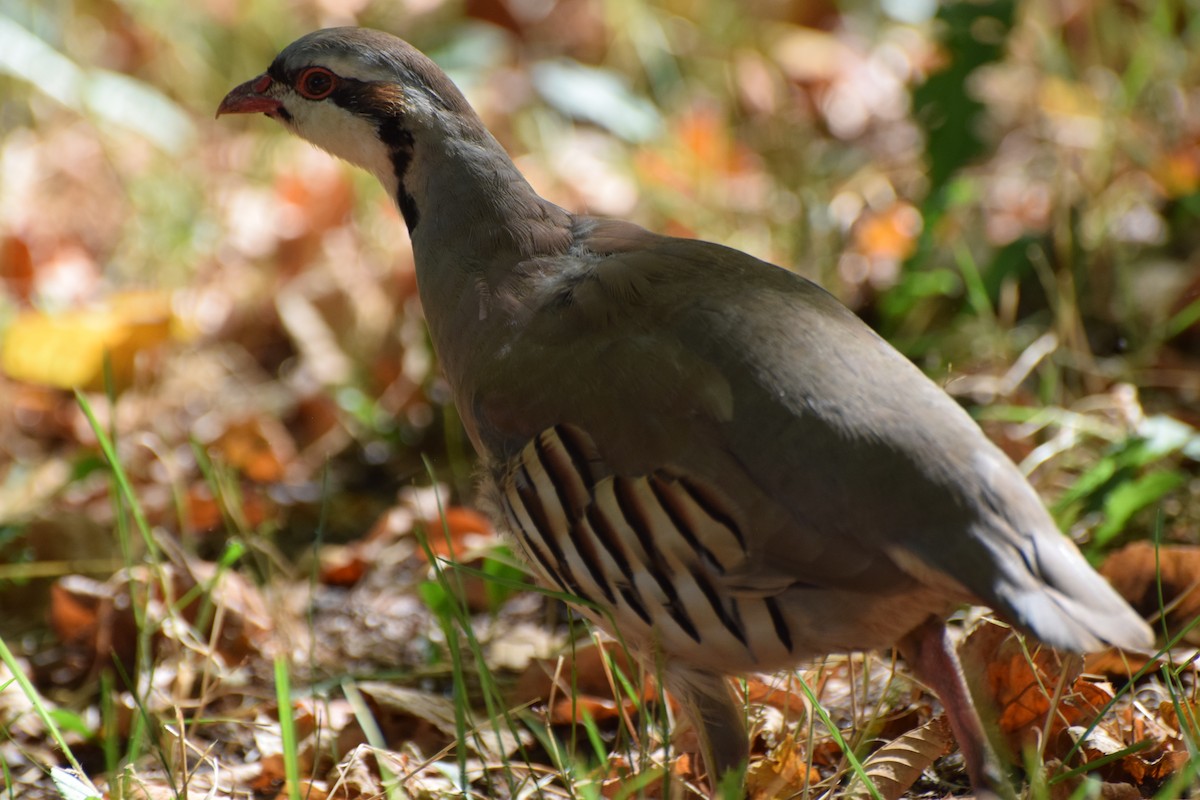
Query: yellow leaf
[(68, 350)]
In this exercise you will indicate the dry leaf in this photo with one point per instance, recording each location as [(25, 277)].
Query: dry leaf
[(204, 513), (1178, 171), (95, 618), (16, 267), (784, 772), (889, 234), (406, 714), (896, 766), (259, 447), (1019, 685), (241, 619), (314, 790), (780, 697), (69, 350), (615, 784), (464, 537), (271, 780), (358, 776), (343, 565), (1162, 766), (583, 681), (1135, 571), (457, 533), (1115, 662), (99, 618)]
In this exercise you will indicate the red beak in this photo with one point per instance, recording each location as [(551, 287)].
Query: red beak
[(249, 98)]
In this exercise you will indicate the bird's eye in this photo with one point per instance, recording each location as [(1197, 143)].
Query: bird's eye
[(316, 83)]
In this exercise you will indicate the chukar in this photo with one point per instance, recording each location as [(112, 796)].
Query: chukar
[(710, 448)]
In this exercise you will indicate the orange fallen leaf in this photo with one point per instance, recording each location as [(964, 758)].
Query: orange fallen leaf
[(16, 267), (618, 775), (888, 234), (343, 565), (584, 682), (577, 709), (1163, 766), (1136, 571), (272, 778), (782, 698), (96, 619), (1178, 171), (459, 531), (259, 447), (462, 536), (784, 772), (204, 512), (1168, 714), (1020, 685)]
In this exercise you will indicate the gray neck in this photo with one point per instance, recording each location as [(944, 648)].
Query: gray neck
[(476, 219)]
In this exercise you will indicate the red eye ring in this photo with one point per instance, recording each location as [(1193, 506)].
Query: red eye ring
[(316, 83)]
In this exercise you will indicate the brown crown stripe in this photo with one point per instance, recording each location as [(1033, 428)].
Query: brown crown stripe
[(669, 503), (781, 626), (630, 508)]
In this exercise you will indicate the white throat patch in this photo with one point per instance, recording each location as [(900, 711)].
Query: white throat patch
[(345, 135)]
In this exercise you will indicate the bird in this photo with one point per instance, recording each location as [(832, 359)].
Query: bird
[(723, 464)]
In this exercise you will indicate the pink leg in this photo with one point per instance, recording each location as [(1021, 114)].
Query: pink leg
[(929, 653)]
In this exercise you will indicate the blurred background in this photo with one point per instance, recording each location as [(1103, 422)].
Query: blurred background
[(1006, 191), (1009, 192)]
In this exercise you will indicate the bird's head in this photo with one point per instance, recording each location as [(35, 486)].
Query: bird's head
[(363, 95)]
